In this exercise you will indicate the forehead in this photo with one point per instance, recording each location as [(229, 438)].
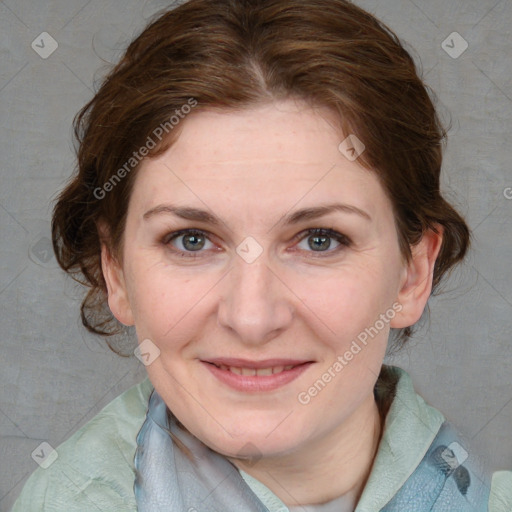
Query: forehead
[(286, 130), (271, 156)]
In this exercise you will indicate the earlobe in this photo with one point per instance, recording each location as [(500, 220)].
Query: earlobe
[(116, 287), (417, 279)]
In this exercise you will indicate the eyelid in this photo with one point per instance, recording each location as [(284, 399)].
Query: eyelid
[(331, 232), (169, 236), (341, 238)]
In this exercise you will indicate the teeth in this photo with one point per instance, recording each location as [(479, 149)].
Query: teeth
[(251, 372), (264, 371)]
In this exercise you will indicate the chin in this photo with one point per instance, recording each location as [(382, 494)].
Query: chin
[(242, 442)]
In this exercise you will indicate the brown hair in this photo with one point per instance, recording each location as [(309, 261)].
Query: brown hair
[(231, 54)]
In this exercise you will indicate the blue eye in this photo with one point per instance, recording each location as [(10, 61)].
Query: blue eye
[(319, 240), (192, 241)]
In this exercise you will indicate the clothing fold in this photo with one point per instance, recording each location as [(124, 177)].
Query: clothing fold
[(96, 467), (169, 478)]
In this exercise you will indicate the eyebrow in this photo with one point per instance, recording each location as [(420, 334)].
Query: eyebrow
[(198, 215)]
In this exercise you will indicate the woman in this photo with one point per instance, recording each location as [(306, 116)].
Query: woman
[(258, 194)]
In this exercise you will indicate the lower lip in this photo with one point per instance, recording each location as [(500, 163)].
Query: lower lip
[(252, 383)]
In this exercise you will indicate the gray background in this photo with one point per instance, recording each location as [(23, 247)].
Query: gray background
[(55, 377)]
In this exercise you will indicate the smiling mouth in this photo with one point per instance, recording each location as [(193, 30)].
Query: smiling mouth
[(271, 370), (245, 375)]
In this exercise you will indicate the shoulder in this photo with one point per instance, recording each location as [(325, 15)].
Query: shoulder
[(500, 499), (94, 467), (413, 430)]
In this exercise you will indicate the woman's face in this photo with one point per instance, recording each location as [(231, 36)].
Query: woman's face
[(248, 293)]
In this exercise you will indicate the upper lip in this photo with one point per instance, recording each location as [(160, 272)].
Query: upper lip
[(246, 363)]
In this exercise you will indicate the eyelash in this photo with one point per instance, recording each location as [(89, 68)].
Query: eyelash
[(343, 240)]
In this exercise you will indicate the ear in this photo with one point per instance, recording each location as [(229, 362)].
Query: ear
[(416, 284), (115, 280)]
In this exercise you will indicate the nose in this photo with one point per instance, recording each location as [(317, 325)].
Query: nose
[(255, 303)]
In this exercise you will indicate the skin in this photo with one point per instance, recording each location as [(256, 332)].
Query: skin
[(250, 169)]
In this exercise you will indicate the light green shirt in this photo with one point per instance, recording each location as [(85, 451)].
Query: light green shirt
[(95, 470)]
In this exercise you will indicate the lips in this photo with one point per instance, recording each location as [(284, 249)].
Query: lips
[(255, 371), (264, 375), (246, 363), (263, 367)]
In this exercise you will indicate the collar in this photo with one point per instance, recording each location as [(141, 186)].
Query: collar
[(410, 428)]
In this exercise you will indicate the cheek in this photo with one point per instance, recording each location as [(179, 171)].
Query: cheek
[(166, 302), (348, 299)]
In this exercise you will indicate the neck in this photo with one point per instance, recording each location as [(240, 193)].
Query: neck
[(337, 464)]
